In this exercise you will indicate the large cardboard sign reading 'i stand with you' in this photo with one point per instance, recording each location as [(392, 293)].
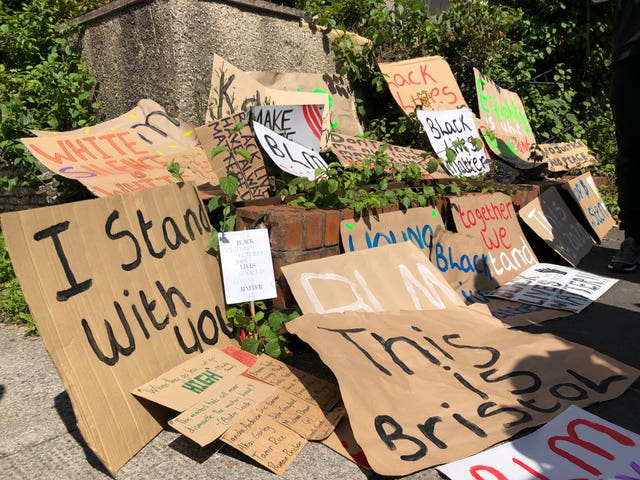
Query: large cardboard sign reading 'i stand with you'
[(122, 290)]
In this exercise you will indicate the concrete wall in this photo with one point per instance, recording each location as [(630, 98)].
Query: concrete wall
[(163, 49)]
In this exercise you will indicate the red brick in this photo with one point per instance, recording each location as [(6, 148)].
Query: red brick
[(285, 230), (524, 194), (313, 229), (347, 214), (331, 228)]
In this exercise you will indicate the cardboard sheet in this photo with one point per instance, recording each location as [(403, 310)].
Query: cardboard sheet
[(387, 278), (446, 384), (122, 290), (455, 130), (415, 225), (566, 155), (575, 444), (502, 112), (584, 191), (426, 82), (550, 218), (492, 218), (231, 147), (360, 151)]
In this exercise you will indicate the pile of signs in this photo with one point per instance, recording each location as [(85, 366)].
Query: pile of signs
[(413, 317)]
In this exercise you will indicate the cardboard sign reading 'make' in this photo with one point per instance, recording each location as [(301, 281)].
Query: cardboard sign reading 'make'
[(423, 388), (122, 290)]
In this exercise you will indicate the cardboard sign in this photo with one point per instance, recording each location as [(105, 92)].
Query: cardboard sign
[(415, 225), (289, 156), (301, 124), (185, 384), (585, 192), (234, 91), (441, 385), (118, 162), (152, 124), (122, 290), (387, 278), (550, 218), (503, 113), (492, 218), (265, 441), (425, 82), (343, 116), (360, 151), (555, 286), (575, 444), (455, 130), (566, 156), (247, 268), (231, 146)]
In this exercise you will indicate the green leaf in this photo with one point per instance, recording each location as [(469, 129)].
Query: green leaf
[(244, 153), (258, 316), (218, 150), (250, 345), (273, 348), (229, 185)]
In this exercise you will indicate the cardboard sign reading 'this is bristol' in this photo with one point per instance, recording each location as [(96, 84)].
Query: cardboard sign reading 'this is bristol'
[(575, 444), (360, 151), (493, 219), (455, 130), (550, 218), (584, 191), (232, 148), (491, 381), (426, 82), (416, 225), (247, 269), (387, 278), (110, 285), (287, 155), (502, 112)]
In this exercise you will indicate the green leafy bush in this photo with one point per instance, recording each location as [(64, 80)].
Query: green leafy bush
[(13, 306)]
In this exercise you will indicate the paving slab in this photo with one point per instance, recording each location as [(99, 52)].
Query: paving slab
[(40, 439)]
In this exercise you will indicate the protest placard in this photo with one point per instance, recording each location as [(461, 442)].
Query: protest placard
[(111, 283), (360, 151), (247, 268), (491, 381), (585, 192), (426, 82), (232, 148), (289, 156), (566, 155), (301, 124), (388, 278), (456, 131), (343, 116), (152, 124), (555, 286), (503, 113), (233, 91), (575, 444), (416, 225), (118, 162), (550, 218), (492, 218)]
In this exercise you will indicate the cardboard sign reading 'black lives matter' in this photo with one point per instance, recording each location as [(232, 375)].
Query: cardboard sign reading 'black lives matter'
[(122, 289), (423, 388)]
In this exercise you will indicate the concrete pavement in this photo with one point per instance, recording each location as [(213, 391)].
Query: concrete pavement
[(39, 436)]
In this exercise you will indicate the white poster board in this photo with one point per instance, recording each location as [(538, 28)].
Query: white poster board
[(301, 124), (456, 130), (287, 155), (555, 286), (575, 444), (247, 268)]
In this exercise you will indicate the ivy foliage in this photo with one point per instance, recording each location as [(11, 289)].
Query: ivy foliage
[(554, 54)]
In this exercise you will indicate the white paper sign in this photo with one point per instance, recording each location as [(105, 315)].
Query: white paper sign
[(247, 268), (289, 156), (301, 124), (455, 129), (555, 286), (576, 444)]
